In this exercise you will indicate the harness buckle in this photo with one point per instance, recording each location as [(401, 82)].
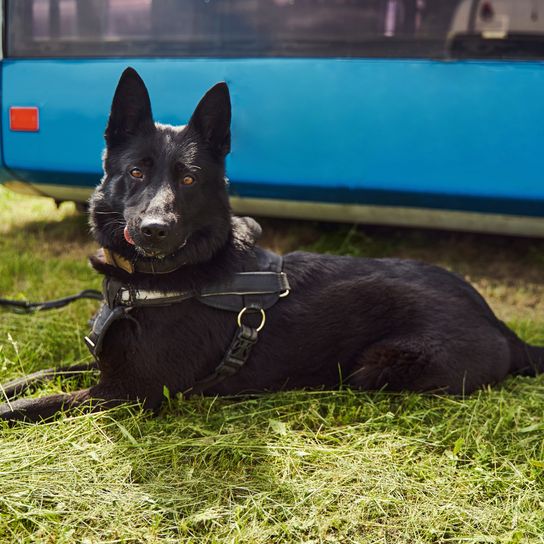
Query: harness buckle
[(239, 350)]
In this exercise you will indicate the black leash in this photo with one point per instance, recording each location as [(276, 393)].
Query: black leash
[(18, 386), (25, 307)]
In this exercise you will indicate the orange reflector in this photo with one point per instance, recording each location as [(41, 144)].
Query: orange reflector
[(24, 119)]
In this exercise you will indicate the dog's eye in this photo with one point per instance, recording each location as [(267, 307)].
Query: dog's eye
[(136, 173), (188, 180)]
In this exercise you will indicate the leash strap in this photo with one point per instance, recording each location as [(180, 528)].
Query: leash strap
[(24, 306), (236, 357), (16, 387), (224, 296), (101, 322)]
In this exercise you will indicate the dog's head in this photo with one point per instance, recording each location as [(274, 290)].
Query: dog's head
[(163, 192)]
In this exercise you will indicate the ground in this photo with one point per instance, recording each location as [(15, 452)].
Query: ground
[(314, 466)]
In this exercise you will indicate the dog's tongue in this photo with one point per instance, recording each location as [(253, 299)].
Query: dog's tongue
[(128, 237)]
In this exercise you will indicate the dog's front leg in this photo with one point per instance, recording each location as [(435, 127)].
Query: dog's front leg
[(42, 408)]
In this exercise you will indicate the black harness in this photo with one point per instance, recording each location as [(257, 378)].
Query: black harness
[(244, 293)]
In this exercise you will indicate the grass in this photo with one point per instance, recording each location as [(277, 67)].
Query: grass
[(312, 467)]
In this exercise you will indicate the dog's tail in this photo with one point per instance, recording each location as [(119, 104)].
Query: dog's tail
[(527, 360)]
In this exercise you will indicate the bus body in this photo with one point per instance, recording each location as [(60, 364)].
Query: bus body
[(404, 112)]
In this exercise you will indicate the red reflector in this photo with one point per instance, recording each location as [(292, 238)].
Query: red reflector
[(26, 119)]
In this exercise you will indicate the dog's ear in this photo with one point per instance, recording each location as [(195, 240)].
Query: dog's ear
[(211, 119), (130, 110)]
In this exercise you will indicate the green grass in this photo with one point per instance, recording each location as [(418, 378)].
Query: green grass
[(309, 467)]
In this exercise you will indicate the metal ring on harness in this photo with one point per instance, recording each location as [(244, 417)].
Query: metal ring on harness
[(243, 310)]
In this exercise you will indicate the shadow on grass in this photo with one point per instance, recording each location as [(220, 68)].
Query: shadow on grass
[(72, 228), (494, 256), (474, 255)]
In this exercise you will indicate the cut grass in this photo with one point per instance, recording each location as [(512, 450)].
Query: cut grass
[(310, 466)]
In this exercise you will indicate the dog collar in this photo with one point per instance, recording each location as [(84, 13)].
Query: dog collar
[(248, 294), (149, 266), (245, 231)]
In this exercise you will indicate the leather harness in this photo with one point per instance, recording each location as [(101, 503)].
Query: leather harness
[(242, 293)]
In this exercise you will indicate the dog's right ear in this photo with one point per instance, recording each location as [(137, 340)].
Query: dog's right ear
[(130, 110)]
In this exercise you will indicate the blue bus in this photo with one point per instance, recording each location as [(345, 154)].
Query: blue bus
[(409, 112)]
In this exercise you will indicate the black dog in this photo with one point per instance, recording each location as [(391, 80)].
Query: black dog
[(187, 289)]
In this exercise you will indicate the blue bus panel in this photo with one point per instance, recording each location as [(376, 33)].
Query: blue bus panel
[(461, 135), (355, 110)]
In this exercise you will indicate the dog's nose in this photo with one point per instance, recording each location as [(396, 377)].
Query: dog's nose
[(154, 230)]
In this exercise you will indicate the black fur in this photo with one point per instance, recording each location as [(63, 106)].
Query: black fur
[(368, 323)]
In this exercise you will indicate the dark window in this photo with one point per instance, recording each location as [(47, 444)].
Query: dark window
[(276, 28)]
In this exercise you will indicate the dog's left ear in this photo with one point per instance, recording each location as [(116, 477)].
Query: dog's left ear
[(211, 119)]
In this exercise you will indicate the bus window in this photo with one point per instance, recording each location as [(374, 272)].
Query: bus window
[(229, 28), (276, 28)]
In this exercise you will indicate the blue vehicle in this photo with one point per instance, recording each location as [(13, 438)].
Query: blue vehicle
[(408, 112)]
